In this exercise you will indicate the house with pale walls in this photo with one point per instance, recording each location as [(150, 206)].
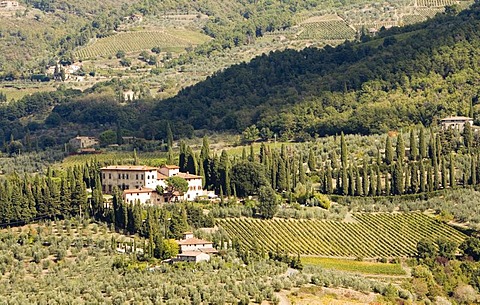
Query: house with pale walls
[(456, 122), (194, 249), (137, 181)]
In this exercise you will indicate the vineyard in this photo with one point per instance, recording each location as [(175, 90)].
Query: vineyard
[(371, 235), (332, 30), (171, 40)]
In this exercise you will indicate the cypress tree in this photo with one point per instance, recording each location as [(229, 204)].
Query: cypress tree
[(468, 136), (388, 151), (413, 146), (281, 175), (473, 171), (170, 157), (344, 190), (372, 191), (169, 136), (438, 147), (182, 158), (358, 183), (351, 182), (294, 171), (422, 143), (406, 186), (400, 148), (301, 171), (421, 171), (378, 185), (444, 173), (224, 171), (263, 153), (452, 171), (436, 175), (397, 178), (387, 184), (432, 147), (251, 157), (413, 178), (365, 179), (329, 182), (429, 178), (244, 154), (311, 160), (343, 150), (192, 165)]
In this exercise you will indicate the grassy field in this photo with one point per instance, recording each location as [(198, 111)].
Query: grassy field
[(173, 40), (354, 266), (16, 93), (371, 235)]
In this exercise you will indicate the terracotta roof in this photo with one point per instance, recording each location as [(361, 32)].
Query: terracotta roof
[(190, 253), (208, 250), (194, 241), (140, 190), (457, 118), (188, 176), (161, 176), (129, 168), (171, 166)]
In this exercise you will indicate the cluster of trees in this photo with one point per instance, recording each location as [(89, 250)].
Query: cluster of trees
[(441, 272), (31, 197)]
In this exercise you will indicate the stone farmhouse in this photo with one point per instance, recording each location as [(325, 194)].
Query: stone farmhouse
[(139, 183), (456, 122), (79, 143), (194, 250)]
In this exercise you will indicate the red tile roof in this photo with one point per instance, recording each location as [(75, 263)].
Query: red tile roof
[(129, 168), (171, 166), (140, 190), (194, 241), (188, 176)]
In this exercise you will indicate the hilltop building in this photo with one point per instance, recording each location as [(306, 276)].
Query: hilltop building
[(456, 122), (80, 143), (139, 183)]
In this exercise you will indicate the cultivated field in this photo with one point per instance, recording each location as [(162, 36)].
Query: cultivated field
[(167, 40), (371, 235)]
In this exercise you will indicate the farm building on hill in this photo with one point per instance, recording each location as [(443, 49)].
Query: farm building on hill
[(456, 122), (78, 143), (137, 181)]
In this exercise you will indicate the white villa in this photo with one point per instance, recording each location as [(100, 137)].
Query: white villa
[(139, 183)]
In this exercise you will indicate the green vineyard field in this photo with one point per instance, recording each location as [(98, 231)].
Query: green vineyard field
[(372, 235), (167, 40), (330, 30)]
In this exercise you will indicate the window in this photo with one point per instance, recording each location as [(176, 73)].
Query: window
[(142, 176), (103, 176), (136, 177), (109, 176), (123, 176), (119, 176), (126, 176)]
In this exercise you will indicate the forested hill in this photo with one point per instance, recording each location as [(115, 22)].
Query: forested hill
[(409, 75)]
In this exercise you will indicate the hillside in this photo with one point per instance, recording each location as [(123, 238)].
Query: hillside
[(37, 34), (403, 76)]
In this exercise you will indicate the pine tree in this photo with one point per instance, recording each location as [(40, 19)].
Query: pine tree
[(388, 151)]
